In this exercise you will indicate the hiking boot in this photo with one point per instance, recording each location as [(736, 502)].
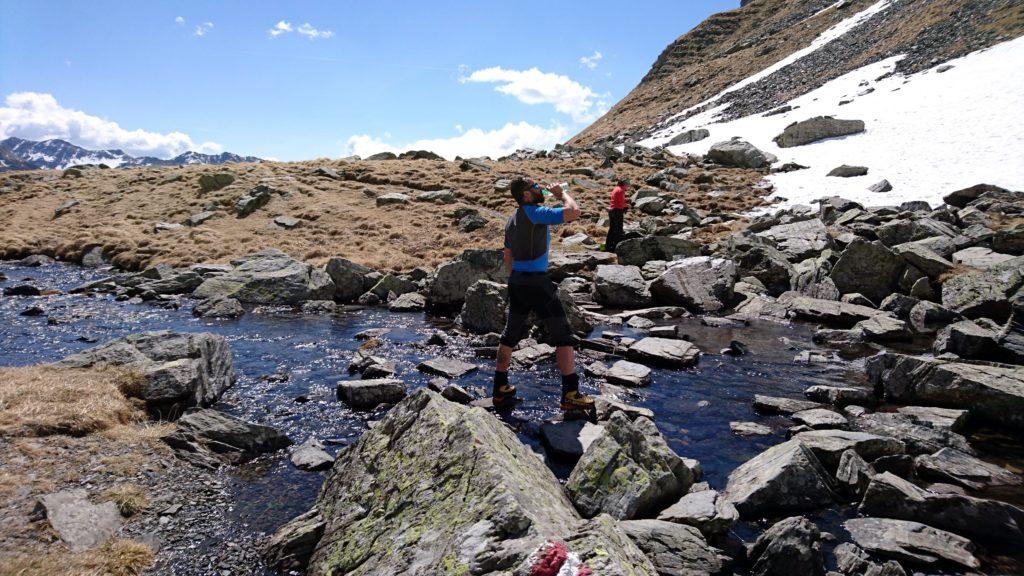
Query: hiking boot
[(504, 395), (573, 400)]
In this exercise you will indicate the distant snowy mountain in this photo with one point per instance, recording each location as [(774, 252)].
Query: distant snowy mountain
[(20, 154)]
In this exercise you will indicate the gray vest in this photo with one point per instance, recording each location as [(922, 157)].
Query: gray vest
[(528, 241)]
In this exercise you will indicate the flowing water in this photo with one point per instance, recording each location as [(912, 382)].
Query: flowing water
[(310, 354)]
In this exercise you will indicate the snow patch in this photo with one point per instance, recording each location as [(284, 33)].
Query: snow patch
[(928, 134)]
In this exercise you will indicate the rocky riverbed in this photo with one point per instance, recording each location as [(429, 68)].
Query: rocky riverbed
[(835, 387)]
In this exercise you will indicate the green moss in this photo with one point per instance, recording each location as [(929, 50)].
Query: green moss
[(453, 567)]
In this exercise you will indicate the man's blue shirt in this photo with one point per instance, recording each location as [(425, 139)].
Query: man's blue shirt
[(539, 215)]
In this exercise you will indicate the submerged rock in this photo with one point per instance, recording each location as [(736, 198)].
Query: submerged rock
[(628, 472)]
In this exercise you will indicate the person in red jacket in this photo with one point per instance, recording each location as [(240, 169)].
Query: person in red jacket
[(616, 213)]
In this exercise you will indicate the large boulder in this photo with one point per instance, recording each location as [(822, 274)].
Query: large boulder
[(911, 542), (639, 251), (689, 136), (450, 281), (603, 546), (485, 307), (269, 277), (783, 479), (705, 510), (994, 394), (868, 268), (790, 546), (178, 370), (961, 198), (768, 265), (291, 546), (621, 286), (451, 486), (916, 437), (889, 496), (799, 240), (350, 279), (210, 435), (985, 293), (968, 339), (700, 283), (740, 154), (629, 472), (673, 548), (831, 312), (829, 445), (815, 129)]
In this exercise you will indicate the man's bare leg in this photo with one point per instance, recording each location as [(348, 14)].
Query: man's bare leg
[(503, 391), (563, 356)]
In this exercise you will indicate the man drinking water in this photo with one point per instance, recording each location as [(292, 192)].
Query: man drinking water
[(531, 289)]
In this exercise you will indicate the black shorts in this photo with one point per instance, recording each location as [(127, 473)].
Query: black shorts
[(535, 292)]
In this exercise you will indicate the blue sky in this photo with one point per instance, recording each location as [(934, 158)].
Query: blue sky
[(337, 77)]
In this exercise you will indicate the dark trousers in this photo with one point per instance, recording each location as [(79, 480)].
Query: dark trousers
[(615, 233), (535, 292)]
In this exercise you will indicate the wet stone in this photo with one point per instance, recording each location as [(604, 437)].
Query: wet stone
[(627, 373), (450, 368), (749, 429), (368, 394), (784, 406)]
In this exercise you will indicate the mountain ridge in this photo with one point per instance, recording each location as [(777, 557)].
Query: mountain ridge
[(55, 153)]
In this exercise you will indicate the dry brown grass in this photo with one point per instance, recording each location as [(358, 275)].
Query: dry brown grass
[(130, 498), (59, 427), (118, 557), (43, 400), (118, 209)]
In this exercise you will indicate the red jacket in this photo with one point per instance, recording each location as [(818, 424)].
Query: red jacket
[(618, 199)]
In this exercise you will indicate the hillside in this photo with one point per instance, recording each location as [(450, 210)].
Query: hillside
[(758, 41), (334, 203)]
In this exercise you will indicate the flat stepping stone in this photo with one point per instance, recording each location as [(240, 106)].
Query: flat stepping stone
[(81, 524), (948, 418), (664, 351), (450, 368), (628, 373), (956, 467), (367, 394), (371, 333), (749, 429), (311, 456), (784, 406), (820, 418)]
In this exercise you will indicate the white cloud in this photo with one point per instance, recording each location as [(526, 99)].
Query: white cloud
[(459, 128), (307, 30), (535, 87), (281, 27), (312, 33), (179, 20), (470, 143), (203, 28), (36, 116), (592, 60)]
